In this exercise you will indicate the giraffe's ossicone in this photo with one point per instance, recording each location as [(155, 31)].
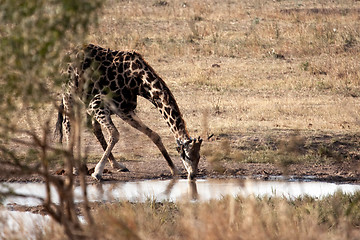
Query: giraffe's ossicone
[(108, 82)]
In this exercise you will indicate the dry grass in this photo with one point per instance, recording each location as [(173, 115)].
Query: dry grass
[(251, 65), (334, 217)]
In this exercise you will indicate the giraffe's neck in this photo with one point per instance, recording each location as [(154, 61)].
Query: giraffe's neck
[(156, 90)]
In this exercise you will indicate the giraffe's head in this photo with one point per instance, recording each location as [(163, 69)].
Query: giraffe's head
[(190, 155)]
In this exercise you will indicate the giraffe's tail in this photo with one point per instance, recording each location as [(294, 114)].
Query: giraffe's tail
[(59, 126)]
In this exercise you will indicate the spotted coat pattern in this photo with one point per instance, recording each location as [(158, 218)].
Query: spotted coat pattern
[(109, 82)]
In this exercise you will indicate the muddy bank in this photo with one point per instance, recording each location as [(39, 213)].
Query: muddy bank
[(158, 169)]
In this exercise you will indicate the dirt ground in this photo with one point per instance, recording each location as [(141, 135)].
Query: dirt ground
[(337, 158)]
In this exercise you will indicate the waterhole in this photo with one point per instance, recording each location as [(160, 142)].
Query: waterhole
[(177, 190)]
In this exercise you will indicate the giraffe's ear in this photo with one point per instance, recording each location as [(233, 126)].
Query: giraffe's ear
[(199, 141)]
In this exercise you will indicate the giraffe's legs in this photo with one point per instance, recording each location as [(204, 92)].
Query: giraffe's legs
[(100, 137), (132, 119), (68, 103), (106, 121), (102, 116)]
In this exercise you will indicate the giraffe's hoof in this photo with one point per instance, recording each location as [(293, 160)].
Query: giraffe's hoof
[(123, 170), (175, 172), (119, 167), (96, 176), (75, 171)]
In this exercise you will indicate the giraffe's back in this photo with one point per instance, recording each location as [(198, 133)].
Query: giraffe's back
[(107, 72)]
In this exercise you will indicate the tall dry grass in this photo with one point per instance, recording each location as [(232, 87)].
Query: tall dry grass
[(334, 217)]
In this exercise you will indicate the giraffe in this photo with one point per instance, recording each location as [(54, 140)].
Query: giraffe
[(108, 82)]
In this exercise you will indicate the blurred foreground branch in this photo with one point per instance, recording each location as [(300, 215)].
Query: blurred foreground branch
[(65, 211), (34, 39)]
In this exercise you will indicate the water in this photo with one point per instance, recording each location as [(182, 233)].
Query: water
[(177, 190)]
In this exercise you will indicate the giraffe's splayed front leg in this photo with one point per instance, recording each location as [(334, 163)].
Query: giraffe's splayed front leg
[(100, 137), (103, 117)]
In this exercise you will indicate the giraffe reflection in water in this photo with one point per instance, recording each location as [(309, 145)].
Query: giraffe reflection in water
[(192, 189)]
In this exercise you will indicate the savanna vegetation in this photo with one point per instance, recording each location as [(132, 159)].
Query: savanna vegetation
[(274, 82)]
